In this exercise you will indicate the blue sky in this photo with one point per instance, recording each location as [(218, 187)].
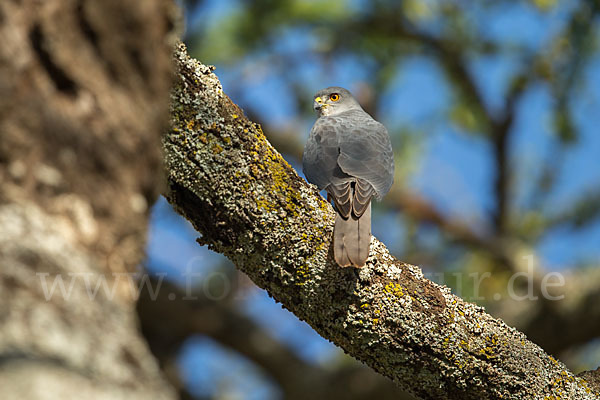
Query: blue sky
[(454, 171)]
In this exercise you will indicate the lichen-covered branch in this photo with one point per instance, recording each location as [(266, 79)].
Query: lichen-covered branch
[(250, 205)]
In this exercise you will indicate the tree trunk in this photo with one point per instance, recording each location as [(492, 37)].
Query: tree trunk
[(84, 88)]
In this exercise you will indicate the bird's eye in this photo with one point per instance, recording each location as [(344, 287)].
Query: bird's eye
[(334, 97)]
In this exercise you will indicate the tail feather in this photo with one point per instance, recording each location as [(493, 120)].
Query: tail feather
[(352, 239)]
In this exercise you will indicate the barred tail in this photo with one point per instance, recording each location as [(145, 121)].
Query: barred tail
[(352, 239)]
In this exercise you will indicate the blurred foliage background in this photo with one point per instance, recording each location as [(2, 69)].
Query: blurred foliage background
[(493, 108)]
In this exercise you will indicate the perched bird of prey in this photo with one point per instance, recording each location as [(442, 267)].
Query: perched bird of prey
[(348, 154)]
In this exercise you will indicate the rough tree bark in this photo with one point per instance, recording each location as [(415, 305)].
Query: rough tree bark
[(84, 88), (250, 205)]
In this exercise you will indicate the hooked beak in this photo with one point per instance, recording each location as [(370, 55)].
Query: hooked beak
[(318, 104)]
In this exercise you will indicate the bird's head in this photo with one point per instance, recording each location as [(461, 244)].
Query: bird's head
[(334, 100)]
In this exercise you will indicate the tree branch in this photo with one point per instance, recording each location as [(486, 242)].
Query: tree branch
[(578, 321), (250, 205), (575, 319), (453, 60), (185, 314)]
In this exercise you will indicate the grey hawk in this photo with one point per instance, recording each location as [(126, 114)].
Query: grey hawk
[(348, 154)]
